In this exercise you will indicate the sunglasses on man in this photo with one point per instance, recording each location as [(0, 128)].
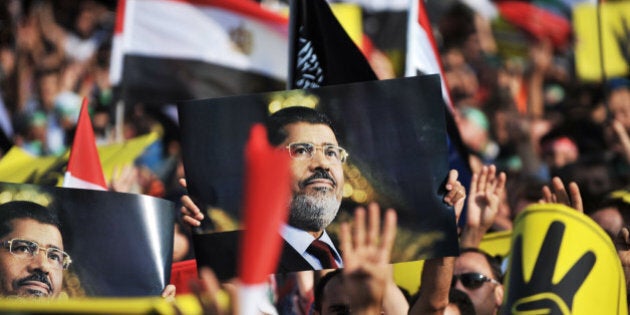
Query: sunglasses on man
[(472, 280)]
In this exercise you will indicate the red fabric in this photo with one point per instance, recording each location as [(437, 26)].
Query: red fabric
[(246, 7), (84, 162), (429, 48), (267, 193), (537, 21), (181, 274), (120, 17)]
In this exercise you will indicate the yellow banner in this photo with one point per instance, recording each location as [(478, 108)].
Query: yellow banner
[(615, 40), (349, 15), (18, 166), (407, 274), (562, 262), (497, 243), (183, 304)]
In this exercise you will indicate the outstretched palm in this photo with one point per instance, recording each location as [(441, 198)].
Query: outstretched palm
[(485, 195)]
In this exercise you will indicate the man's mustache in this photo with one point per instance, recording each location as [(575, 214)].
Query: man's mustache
[(38, 276), (319, 174)]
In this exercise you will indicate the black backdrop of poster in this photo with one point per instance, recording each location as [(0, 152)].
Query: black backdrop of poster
[(120, 244), (394, 131)]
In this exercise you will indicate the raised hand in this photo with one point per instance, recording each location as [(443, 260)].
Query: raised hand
[(366, 256), (455, 193), (559, 194), (486, 190)]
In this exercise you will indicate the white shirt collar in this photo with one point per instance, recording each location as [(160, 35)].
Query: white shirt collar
[(300, 240)]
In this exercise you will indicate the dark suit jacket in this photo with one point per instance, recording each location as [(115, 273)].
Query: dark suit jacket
[(220, 251)]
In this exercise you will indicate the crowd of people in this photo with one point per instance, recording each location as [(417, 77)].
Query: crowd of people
[(530, 126)]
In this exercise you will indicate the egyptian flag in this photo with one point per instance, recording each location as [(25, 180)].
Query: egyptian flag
[(166, 50), (423, 58), (422, 52), (321, 52), (84, 166)]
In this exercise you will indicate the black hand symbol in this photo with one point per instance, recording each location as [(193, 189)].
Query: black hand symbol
[(540, 295)]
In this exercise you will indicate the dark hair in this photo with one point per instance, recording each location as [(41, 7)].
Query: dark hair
[(462, 300), (493, 261), (25, 210), (319, 288), (286, 116)]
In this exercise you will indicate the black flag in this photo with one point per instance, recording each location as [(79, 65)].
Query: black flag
[(320, 51)]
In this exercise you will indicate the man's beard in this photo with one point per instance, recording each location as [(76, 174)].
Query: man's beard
[(313, 212), (37, 276)]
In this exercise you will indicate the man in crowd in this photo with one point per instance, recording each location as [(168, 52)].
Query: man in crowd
[(476, 273), (32, 259), (479, 275)]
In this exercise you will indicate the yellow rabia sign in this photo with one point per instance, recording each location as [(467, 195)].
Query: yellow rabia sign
[(562, 262), (612, 39)]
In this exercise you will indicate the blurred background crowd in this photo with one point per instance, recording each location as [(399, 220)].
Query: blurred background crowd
[(517, 98)]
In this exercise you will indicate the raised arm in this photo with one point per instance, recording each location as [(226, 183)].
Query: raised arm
[(366, 255), (209, 294), (437, 273)]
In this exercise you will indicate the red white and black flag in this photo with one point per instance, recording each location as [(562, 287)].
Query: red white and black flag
[(321, 52), (422, 52), (423, 58), (167, 50)]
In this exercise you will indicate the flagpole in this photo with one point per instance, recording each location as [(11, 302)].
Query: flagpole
[(293, 38), (119, 121), (600, 40)]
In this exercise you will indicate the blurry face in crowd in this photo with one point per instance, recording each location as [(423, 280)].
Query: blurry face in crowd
[(335, 298), (609, 219), (316, 183), (560, 152), (461, 78), (473, 135), (48, 90), (473, 126), (619, 104), (594, 180), (31, 277), (487, 298)]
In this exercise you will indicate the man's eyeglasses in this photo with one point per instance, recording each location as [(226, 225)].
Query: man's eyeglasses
[(305, 151), (472, 280), (24, 249)]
